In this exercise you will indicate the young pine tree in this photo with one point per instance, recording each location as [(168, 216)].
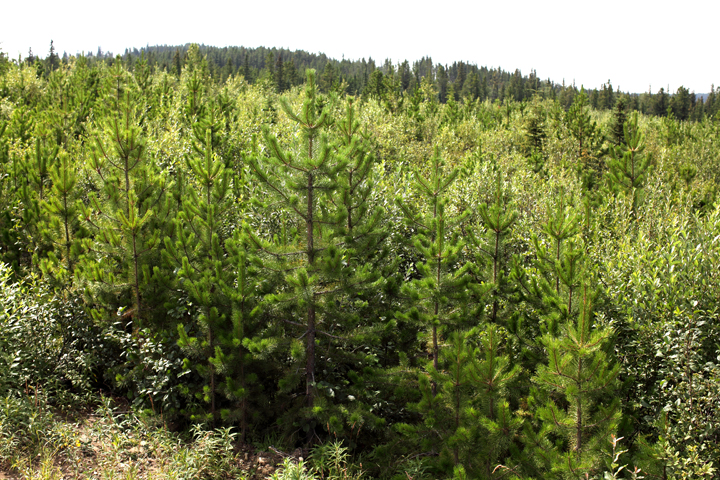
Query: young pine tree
[(574, 402), (33, 190), (199, 252), (297, 180), (490, 246), (62, 227), (629, 167), (468, 422), (126, 216), (438, 295), (558, 267), (322, 192), (588, 137)]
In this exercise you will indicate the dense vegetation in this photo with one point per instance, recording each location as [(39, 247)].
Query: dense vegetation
[(283, 69), (470, 286)]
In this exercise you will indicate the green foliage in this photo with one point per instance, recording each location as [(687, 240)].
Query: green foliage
[(588, 138), (575, 402), (48, 348), (629, 168), (159, 250), (125, 214)]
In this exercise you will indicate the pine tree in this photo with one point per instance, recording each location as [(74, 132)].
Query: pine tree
[(176, 64), (323, 192), (618, 122), (126, 215), (442, 83), (497, 222), (33, 187), (441, 288), (240, 345), (467, 421), (452, 114), (629, 167), (574, 401), (53, 62), (549, 285), (203, 262), (661, 103), (492, 374), (62, 227), (587, 135), (296, 181)]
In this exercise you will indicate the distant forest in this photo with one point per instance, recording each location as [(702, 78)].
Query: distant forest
[(465, 81)]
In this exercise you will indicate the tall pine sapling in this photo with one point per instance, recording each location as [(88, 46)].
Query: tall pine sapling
[(62, 227), (126, 215), (489, 244), (574, 397), (300, 179), (438, 295), (203, 262), (629, 167)]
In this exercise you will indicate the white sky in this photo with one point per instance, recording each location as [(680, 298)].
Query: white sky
[(635, 44)]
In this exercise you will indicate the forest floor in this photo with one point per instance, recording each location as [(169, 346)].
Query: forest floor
[(116, 444)]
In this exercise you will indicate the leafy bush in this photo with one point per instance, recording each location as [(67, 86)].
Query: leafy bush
[(48, 346)]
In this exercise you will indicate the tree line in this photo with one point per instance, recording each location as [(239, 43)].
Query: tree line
[(464, 81)]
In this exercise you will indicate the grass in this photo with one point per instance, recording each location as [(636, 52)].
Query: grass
[(112, 443)]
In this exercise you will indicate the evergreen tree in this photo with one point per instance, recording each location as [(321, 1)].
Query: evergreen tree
[(240, 346), (552, 282), (176, 64), (324, 192), (681, 104), (618, 122), (453, 113), (587, 137), (607, 99), (574, 401), (62, 226), (439, 292), (34, 182), (53, 61), (629, 167), (203, 262), (467, 421), (442, 83), (661, 103), (490, 244), (280, 75), (126, 215)]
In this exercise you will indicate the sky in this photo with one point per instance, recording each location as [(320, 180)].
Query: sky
[(637, 45)]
